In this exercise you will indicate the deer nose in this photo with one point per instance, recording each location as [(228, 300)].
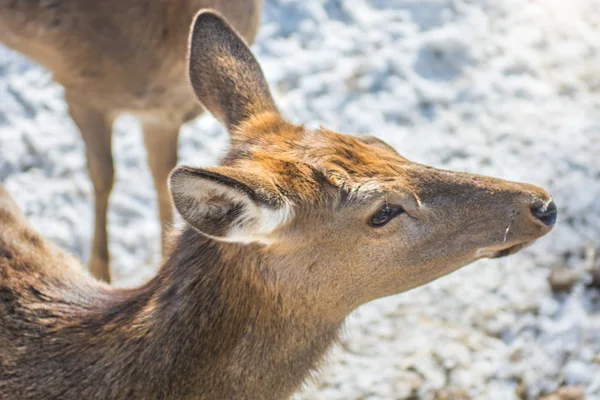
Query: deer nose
[(546, 213)]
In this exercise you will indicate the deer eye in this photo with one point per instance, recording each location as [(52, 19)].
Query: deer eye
[(385, 214)]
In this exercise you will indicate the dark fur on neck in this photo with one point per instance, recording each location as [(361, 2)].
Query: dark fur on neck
[(212, 324)]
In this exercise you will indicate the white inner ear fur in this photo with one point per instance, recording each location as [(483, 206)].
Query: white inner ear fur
[(265, 221), (255, 223)]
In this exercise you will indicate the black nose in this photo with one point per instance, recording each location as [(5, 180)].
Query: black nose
[(545, 213)]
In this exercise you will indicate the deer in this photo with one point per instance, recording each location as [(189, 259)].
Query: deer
[(114, 57), (292, 231)]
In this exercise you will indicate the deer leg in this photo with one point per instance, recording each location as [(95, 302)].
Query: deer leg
[(161, 145), (96, 130)]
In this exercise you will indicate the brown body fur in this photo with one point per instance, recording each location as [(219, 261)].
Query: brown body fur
[(279, 245), (114, 57), (195, 331)]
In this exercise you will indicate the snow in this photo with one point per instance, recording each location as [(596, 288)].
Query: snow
[(508, 88)]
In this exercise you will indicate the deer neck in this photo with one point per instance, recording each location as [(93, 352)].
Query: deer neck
[(221, 314)]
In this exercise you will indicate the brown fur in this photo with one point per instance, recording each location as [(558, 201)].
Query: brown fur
[(275, 251), (114, 57), (184, 335)]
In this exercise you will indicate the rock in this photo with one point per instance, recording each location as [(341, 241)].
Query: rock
[(452, 394), (521, 391), (562, 279), (566, 393), (595, 281)]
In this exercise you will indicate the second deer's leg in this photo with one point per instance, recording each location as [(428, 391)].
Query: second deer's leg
[(95, 127), (161, 144)]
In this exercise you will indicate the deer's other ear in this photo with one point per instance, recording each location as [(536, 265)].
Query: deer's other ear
[(227, 204), (223, 72)]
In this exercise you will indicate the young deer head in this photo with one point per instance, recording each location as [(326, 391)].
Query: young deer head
[(352, 219), (292, 232)]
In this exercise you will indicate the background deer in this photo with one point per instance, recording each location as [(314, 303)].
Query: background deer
[(291, 233), (114, 57)]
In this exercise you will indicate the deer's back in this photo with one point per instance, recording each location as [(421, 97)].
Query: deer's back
[(39, 297), (61, 332)]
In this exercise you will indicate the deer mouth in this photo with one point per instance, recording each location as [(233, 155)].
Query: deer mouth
[(503, 252), (511, 250)]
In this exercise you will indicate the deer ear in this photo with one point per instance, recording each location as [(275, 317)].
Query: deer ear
[(228, 205), (223, 72)]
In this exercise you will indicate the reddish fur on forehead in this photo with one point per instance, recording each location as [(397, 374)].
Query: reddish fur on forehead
[(296, 179), (351, 156), (301, 161)]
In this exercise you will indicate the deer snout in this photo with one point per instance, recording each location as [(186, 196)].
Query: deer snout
[(545, 212), (539, 206), (533, 217)]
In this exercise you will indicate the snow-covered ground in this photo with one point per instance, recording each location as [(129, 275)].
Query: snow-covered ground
[(509, 88)]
